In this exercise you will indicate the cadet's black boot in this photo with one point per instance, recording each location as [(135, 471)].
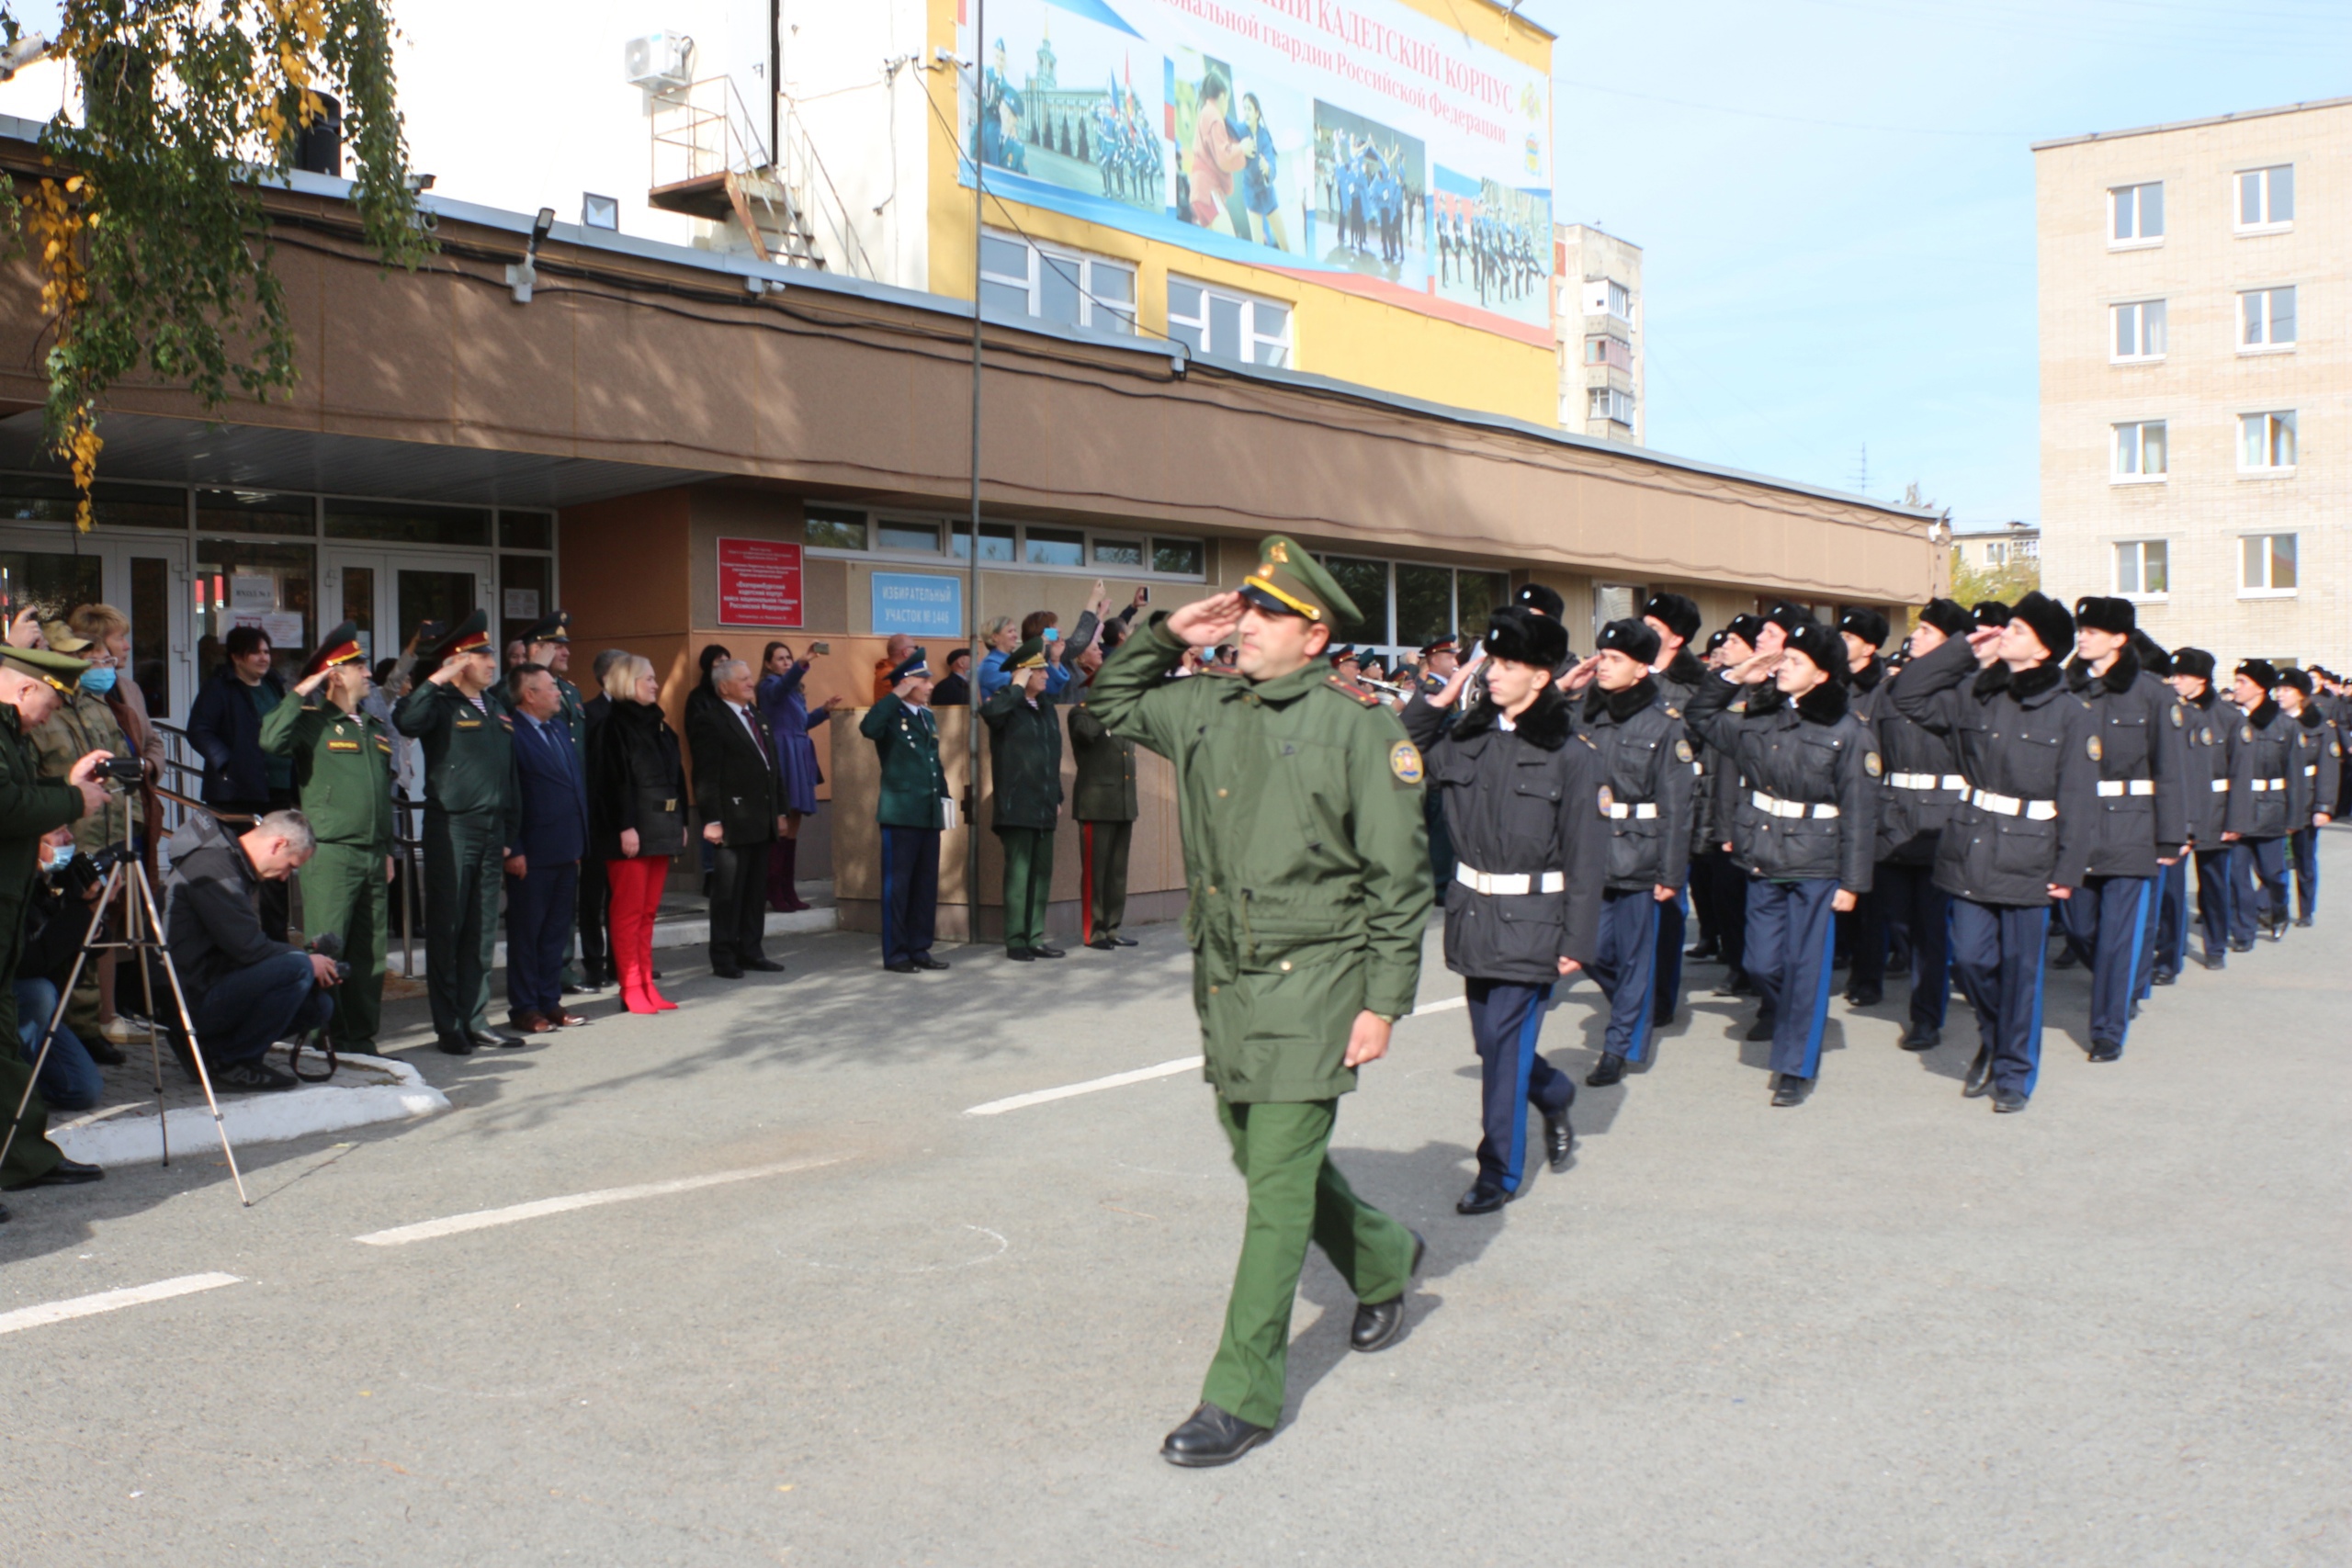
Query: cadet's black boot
[(1557, 1137), (1791, 1090), (1379, 1325), (1922, 1037), (1762, 1028), (1212, 1437), (1607, 1071), (2165, 976), (1864, 996), (2008, 1101), (1482, 1199), (1703, 953), (2107, 1050), (2302, 919), (2241, 945), (1980, 1075)]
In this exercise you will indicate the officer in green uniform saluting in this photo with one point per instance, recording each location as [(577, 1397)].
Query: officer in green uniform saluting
[(1300, 802), (343, 777), (469, 758)]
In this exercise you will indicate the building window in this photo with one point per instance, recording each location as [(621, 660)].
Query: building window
[(1610, 403), (1997, 552), (1430, 601), (2267, 442), (2142, 568), (2266, 318), (2267, 197), (2266, 565), (1178, 558), (1217, 323), (828, 529), (2139, 330), (1614, 351), (2140, 451), (898, 534), (1116, 553), (1051, 283), (2136, 213)]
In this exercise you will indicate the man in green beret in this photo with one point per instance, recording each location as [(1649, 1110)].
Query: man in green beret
[(1025, 779), (1300, 801)]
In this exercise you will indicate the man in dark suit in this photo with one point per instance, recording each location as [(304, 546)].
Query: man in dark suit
[(741, 801), (595, 892), (543, 867)]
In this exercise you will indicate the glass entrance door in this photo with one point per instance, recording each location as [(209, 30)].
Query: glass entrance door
[(390, 593), (145, 577)]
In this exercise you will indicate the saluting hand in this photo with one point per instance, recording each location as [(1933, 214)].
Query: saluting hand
[(1756, 667), (1580, 674), (1457, 681), (1204, 623)]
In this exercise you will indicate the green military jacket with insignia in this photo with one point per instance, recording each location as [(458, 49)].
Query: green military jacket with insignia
[(468, 754), (342, 769), (1305, 849), (1104, 789), (913, 784)]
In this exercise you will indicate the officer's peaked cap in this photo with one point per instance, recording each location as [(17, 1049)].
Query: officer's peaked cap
[(339, 646), (915, 663), (1289, 581), (470, 636), (552, 628)]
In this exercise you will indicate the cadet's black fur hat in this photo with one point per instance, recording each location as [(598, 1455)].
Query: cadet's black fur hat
[(2096, 611), (1675, 613), (2048, 620), (1866, 624), (1541, 599), (1947, 616), (1789, 617), (2192, 661), (2153, 657), (1747, 628), (1991, 613), (2259, 670), (1825, 647), (1637, 640), (2298, 678), (1717, 637), (1525, 637)]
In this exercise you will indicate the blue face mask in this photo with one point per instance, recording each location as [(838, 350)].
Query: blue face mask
[(99, 679), (60, 857)]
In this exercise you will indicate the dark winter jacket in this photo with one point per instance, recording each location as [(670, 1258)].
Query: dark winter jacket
[(1808, 804), (1106, 786), (2210, 738), (225, 728), (1646, 760), (1025, 758), (635, 780), (2261, 806), (1676, 684), (211, 911), (2312, 787), (1921, 782), (2142, 765)]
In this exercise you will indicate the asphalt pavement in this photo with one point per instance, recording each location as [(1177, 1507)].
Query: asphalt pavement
[(747, 1283)]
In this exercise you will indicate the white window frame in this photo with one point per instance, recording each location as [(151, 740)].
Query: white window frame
[(876, 518), (1997, 552), (2267, 589), (2129, 438), (2141, 593), (1097, 312), (1256, 341), (2149, 325), (1613, 404), (2267, 309), (2267, 223), (2139, 239), (2273, 420)]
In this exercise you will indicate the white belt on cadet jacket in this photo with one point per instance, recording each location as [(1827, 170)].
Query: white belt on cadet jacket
[(1643, 811), (2116, 787), (2259, 786), (1927, 781), (1509, 884), (2010, 805), (1776, 807), (2312, 771), (2221, 786)]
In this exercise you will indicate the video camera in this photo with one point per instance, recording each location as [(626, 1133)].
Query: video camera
[(327, 944), (124, 771)]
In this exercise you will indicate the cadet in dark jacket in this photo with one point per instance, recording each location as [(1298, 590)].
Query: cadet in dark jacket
[(1863, 932), (1523, 798), (1103, 800), (1647, 762), (2310, 787), (911, 808), (1674, 619), (2262, 812), (343, 777), (2216, 761), (1727, 883), (1026, 783), (1804, 828), (636, 820), (2024, 832), (468, 772), (738, 794)]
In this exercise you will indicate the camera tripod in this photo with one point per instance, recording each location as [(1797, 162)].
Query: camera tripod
[(143, 935)]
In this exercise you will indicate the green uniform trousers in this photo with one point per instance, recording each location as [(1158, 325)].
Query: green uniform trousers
[(1103, 847), (1295, 1194), (344, 891), (462, 871), (1028, 884)]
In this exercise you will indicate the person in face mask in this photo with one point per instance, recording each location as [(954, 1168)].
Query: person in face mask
[(85, 722), (57, 918)]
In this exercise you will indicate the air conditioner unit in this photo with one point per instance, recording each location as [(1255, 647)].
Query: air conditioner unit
[(657, 62)]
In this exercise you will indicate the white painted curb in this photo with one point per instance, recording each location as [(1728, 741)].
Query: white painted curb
[(364, 1089)]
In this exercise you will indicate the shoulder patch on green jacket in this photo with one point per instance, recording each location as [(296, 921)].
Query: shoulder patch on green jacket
[(1350, 689)]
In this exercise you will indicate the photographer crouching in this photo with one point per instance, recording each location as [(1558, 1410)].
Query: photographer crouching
[(57, 920), (245, 989)]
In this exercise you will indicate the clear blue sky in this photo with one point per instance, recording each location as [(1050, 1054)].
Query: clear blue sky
[(1835, 199)]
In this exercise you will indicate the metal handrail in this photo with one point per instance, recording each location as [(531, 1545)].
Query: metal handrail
[(709, 124)]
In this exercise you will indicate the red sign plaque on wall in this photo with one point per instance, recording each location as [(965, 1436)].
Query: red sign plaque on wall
[(759, 583)]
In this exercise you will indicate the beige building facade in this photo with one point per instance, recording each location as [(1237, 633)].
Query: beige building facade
[(1599, 324), (2196, 380)]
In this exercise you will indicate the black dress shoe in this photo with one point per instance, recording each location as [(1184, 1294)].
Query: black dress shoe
[(2239, 944), (1864, 996), (1610, 1070), (764, 966), (1047, 953), (1558, 1137), (1704, 953), (64, 1173), (1979, 1081), (1762, 1028), (1126, 941), (2065, 959), (925, 961), (904, 966), (491, 1037), (2107, 1050), (725, 972), (2165, 976), (1481, 1199), (2213, 961), (1021, 954), (1377, 1325), (1922, 1037), (2008, 1102), (102, 1051), (1211, 1437), (1105, 943), (2302, 919), (1662, 1020), (1791, 1090), (454, 1045)]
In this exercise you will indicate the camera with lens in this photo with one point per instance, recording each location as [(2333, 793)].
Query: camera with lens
[(123, 769), (327, 944)]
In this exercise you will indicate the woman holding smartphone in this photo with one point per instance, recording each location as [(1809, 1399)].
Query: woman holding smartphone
[(784, 701)]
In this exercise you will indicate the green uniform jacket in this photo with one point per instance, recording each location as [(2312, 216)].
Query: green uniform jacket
[(83, 724), (29, 807), (1025, 759), (1105, 791), (468, 754), (342, 769), (1300, 801), (913, 784)]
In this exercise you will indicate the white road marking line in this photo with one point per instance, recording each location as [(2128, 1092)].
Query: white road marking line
[(482, 1219), (112, 1301), (1143, 1075)]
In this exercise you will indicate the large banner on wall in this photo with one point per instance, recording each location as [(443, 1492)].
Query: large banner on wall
[(1355, 142)]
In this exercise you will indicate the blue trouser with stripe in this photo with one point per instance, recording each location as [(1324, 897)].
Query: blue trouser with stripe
[(1997, 951), (1505, 1018), (1904, 897), (1665, 998), (910, 893), (1791, 933), (2172, 918), (1625, 967), (2107, 919), (2258, 886), (2216, 900), (2306, 847)]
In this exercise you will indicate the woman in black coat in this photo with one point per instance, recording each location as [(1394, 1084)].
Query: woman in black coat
[(636, 820)]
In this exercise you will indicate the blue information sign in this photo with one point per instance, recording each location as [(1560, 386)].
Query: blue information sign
[(920, 603)]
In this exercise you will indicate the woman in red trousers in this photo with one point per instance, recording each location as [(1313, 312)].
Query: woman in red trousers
[(636, 820)]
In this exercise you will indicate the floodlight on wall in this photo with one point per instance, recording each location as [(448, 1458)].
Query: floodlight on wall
[(600, 211)]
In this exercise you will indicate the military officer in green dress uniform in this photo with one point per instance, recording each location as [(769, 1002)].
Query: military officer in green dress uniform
[(911, 807), (1103, 800), (468, 757), (343, 778), (1300, 802)]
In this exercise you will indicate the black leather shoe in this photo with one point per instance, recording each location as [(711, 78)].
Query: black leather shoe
[(2165, 976), (1047, 953), (1481, 1200), (1104, 943), (102, 1051), (1608, 1071), (1211, 1437), (1558, 1137), (1661, 1020), (1979, 1081), (2213, 961), (925, 961), (654, 974), (1922, 1037), (1761, 1029), (725, 972), (64, 1173), (905, 966), (1864, 996), (1704, 953), (764, 966), (2008, 1102), (1377, 1325), (2065, 959), (454, 1045), (1791, 1090), (491, 1037), (1126, 940), (2302, 919), (2107, 1051), (1021, 954)]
